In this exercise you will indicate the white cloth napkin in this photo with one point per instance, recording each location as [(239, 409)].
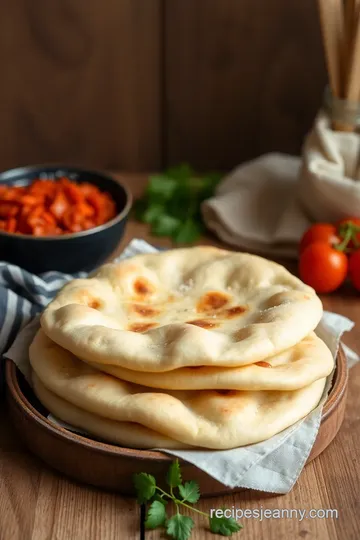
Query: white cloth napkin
[(256, 207), (329, 186), (273, 465)]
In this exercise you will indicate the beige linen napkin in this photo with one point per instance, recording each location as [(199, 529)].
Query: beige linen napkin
[(329, 185), (266, 205), (256, 208)]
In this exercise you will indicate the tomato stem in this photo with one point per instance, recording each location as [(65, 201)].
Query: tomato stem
[(344, 226), (347, 236)]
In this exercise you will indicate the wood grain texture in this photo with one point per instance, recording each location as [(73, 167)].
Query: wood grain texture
[(242, 78), (80, 83), (136, 84), (38, 504)]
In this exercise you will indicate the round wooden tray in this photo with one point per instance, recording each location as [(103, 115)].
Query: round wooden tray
[(112, 467)]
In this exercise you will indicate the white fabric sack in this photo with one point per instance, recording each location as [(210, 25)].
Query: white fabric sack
[(329, 182)]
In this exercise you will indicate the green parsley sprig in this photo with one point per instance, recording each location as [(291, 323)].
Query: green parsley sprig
[(186, 494), (172, 201)]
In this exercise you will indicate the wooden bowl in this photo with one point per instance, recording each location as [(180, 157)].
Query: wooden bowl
[(112, 467)]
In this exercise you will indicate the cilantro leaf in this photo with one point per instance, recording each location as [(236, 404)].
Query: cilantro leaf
[(156, 515), (224, 526), (179, 527), (161, 186), (145, 485), (190, 491), (188, 232), (152, 213), (172, 203), (210, 183), (173, 477), (214, 177), (182, 205), (180, 172), (165, 225), (160, 499)]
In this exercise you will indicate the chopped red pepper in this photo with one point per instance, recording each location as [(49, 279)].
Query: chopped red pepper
[(48, 207)]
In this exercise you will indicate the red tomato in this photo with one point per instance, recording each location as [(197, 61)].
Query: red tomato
[(320, 232), (323, 267), (354, 269)]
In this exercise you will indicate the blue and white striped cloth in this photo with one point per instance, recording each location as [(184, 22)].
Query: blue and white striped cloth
[(22, 296)]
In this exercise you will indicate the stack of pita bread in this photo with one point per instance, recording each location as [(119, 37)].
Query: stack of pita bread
[(196, 347)]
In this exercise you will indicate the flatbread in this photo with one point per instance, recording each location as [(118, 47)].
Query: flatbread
[(122, 433), (199, 306), (294, 368), (206, 418)]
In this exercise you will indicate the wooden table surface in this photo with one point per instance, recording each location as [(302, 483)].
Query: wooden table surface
[(39, 504)]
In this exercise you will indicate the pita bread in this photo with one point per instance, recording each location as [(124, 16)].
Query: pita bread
[(121, 433), (207, 418), (294, 368), (199, 306)]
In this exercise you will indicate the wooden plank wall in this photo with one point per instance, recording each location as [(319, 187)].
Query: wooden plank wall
[(80, 82), (243, 78), (138, 84)]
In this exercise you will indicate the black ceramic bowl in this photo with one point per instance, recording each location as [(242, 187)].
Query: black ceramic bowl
[(68, 253)]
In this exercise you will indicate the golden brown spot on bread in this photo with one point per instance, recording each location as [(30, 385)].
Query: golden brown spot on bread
[(262, 364), (95, 304), (85, 298), (212, 301), (146, 311), (203, 323), (143, 287), (141, 326), (234, 311), (92, 385)]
